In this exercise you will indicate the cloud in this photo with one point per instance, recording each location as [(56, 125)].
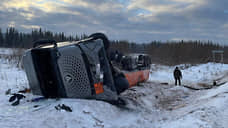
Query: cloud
[(30, 26), (225, 26), (162, 6), (11, 24), (134, 20)]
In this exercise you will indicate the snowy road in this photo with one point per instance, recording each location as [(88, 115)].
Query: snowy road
[(150, 105)]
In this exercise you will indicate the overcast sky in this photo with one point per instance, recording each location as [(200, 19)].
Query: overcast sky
[(133, 20)]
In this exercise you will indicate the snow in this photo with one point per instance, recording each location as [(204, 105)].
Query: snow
[(153, 104), (192, 75), (7, 51)]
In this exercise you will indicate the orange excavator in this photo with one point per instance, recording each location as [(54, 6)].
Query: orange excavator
[(136, 67)]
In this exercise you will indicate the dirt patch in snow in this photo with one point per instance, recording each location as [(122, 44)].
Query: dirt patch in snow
[(158, 96)]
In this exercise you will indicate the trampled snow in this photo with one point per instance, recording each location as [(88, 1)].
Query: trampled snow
[(152, 104)]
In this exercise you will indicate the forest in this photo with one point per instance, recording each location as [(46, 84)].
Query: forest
[(168, 53)]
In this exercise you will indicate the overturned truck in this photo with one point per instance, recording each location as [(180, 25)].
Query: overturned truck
[(79, 69)]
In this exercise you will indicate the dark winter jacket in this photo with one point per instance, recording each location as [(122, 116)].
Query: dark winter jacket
[(177, 73)]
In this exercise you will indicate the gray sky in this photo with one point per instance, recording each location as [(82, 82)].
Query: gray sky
[(133, 20)]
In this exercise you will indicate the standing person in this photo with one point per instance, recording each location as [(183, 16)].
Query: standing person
[(177, 75)]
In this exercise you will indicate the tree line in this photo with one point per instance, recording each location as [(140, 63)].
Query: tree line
[(170, 52), (14, 39), (175, 52)]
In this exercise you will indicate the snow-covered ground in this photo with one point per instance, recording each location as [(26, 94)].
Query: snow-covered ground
[(204, 73), (6, 51), (151, 105), (10, 51)]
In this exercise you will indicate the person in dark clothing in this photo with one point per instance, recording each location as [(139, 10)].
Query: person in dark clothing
[(177, 75)]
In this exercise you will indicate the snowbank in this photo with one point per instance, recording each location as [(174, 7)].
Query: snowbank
[(150, 105)]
